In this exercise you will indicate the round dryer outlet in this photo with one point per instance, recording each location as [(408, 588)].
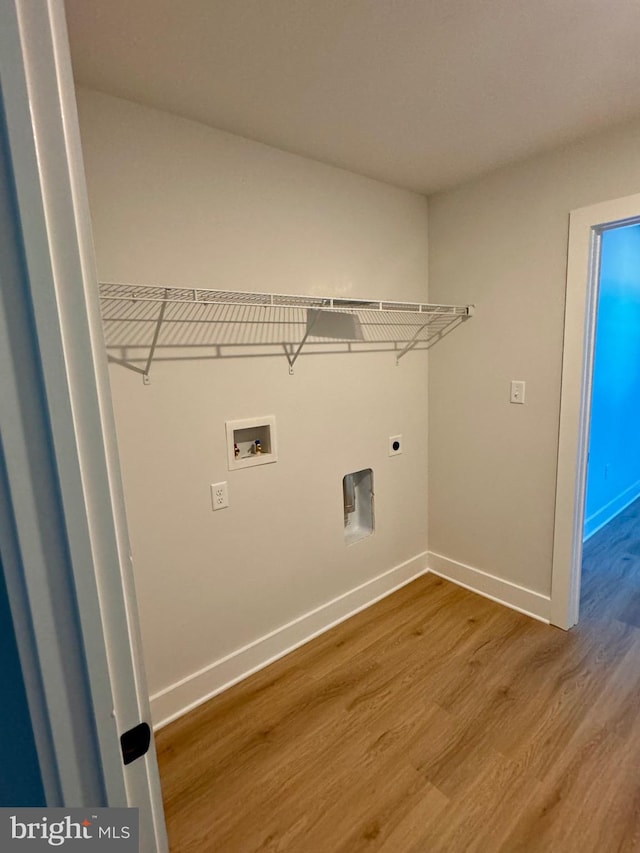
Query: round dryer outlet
[(395, 445)]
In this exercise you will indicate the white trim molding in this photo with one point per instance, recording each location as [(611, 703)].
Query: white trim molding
[(197, 688), (67, 566), (585, 228), (502, 591), (183, 696)]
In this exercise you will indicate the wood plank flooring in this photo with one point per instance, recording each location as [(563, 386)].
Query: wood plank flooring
[(434, 721)]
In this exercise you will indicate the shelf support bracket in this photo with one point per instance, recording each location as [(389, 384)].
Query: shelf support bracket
[(410, 344), (312, 316), (146, 378)]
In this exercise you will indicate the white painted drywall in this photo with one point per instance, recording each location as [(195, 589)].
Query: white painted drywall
[(501, 242), (176, 203)]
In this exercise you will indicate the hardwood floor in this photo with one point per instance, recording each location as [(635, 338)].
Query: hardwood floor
[(434, 721)]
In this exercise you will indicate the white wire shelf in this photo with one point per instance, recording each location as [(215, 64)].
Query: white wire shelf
[(157, 313)]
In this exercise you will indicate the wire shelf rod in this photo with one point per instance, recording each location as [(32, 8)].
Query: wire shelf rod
[(112, 291)]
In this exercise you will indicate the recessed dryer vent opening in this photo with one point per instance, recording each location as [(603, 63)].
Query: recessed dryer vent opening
[(357, 498)]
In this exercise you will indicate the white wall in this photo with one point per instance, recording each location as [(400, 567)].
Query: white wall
[(501, 242), (177, 203)]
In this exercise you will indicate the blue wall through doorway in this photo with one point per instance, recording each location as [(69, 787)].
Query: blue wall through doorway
[(613, 472)]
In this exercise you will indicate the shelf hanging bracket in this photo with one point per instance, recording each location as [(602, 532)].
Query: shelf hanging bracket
[(312, 316), (453, 319), (146, 377), (411, 344)]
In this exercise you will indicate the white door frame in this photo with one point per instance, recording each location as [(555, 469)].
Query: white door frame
[(65, 546), (586, 226)]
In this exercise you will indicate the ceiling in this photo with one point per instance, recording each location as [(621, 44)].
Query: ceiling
[(419, 93)]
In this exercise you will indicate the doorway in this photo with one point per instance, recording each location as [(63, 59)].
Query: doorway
[(588, 246), (613, 466)]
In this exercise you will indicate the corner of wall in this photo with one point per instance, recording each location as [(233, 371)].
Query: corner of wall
[(504, 592), (197, 688)]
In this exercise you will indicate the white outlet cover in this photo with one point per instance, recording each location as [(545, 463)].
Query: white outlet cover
[(395, 445), (219, 496)]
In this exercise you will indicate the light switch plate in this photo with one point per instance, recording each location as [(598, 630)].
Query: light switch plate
[(517, 391)]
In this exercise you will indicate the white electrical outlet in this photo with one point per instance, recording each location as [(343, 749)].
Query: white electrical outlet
[(517, 391), (219, 496), (395, 445)]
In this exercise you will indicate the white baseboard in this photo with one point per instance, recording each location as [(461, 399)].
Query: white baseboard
[(608, 512), (497, 589), (189, 692)]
